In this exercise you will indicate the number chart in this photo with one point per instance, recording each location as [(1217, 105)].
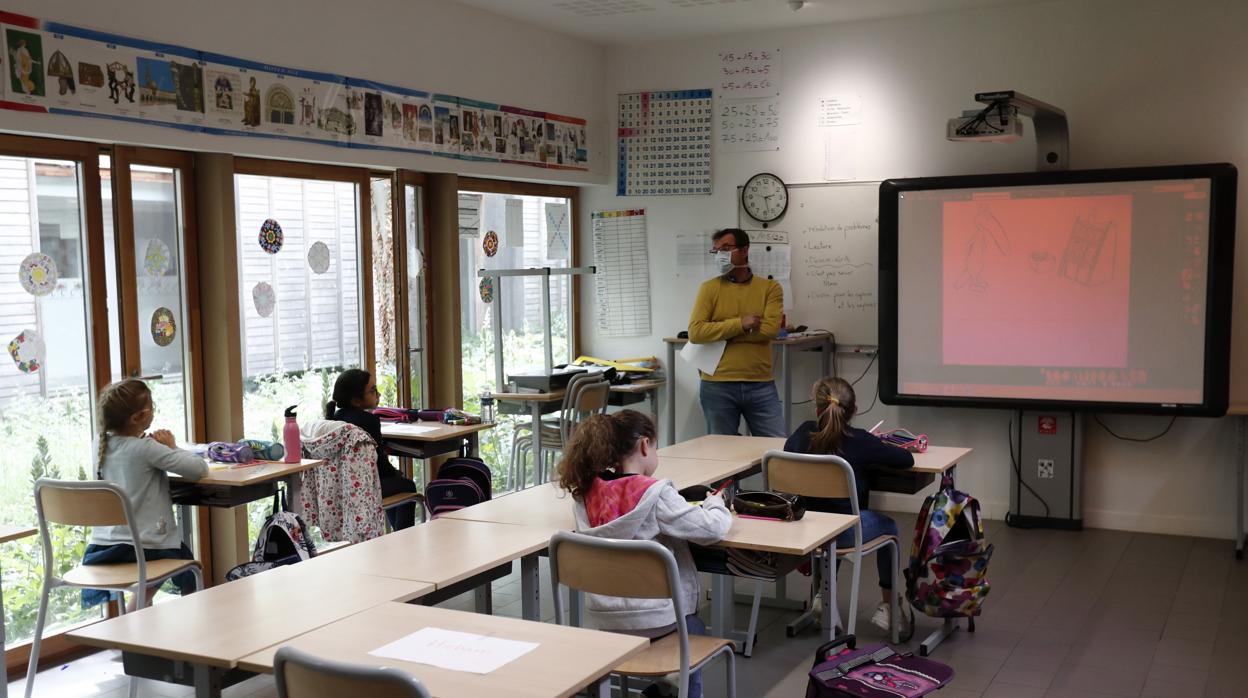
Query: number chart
[(664, 143)]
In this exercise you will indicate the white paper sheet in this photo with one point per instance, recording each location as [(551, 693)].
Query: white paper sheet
[(558, 237), (451, 649), (407, 429), (622, 283), (704, 357), (515, 223)]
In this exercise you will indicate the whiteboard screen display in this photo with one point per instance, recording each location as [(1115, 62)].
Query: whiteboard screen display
[(1080, 289)]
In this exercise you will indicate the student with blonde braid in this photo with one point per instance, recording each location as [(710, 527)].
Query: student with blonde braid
[(139, 462), (607, 467), (831, 434)]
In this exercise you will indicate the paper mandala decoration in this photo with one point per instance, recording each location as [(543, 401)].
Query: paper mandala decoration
[(38, 274), (27, 350), (163, 327), (318, 257), (271, 236), (156, 259), (264, 298), (490, 244), (487, 289)]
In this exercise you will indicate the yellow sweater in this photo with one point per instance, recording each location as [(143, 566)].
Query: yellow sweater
[(717, 315)]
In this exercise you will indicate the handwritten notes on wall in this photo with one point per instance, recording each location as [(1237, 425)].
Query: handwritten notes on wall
[(747, 91), (749, 124), (834, 273), (748, 73)]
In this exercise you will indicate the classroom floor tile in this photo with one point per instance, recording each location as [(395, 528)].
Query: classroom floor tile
[(1070, 615)]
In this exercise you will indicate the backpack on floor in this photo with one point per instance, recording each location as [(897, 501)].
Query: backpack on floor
[(468, 468), (445, 495), (947, 573), (283, 540), (873, 671)]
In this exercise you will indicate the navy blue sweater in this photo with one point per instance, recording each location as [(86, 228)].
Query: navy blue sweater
[(860, 449)]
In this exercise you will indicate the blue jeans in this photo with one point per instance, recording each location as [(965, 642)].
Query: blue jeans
[(724, 403), (874, 525)]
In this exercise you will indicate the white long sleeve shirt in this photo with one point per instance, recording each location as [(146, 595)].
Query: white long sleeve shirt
[(141, 466)]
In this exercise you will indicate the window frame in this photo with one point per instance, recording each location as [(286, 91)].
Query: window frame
[(360, 177), (573, 195), (402, 180)]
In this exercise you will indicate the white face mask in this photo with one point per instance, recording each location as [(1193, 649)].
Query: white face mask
[(723, 258)]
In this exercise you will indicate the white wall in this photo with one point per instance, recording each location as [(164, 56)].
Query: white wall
[(1144, 82), (433, 45)]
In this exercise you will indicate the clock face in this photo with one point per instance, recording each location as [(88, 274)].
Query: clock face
[(765, 197)]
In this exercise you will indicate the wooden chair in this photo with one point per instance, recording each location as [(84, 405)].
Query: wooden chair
[(401, 498), (832, 477), (302, 675), (94, 503), (520, 437), (638, 569)]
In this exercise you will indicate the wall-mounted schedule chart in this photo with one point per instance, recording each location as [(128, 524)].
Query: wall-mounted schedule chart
[(622, 279), (664, 143)]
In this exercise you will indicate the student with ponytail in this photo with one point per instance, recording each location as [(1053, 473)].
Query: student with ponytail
[(139, 462), (355, 395), (831, 434), (607, 467)]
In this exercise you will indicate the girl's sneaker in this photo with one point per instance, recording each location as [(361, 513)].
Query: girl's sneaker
[(883, 614)]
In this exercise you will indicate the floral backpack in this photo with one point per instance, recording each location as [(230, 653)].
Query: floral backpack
[(947, 573)]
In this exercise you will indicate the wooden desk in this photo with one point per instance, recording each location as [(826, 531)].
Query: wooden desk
[(198, 639), (225, 487), (549, 507), (822, 342), (440, 439), (721, 447), (450, 553), (928, 466), (9, 533), (798, 538), (565, 661)]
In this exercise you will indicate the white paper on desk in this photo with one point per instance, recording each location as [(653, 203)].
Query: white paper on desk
[(451, 649), (407, 429), (704, 357)]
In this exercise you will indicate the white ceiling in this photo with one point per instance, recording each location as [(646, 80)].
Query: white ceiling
[(634, 21)]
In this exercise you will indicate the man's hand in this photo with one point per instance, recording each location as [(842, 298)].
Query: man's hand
[(751, 323)]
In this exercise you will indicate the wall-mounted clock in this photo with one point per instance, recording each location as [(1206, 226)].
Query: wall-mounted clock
[(765, 197)]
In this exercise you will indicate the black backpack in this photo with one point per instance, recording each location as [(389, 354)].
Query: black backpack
[(283, 540)]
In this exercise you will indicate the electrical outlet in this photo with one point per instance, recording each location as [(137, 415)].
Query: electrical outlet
[(1044, 469)]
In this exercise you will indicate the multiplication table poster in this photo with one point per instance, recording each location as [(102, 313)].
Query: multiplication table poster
[(664, 143)]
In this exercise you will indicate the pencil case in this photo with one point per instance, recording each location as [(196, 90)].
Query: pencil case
[(915, 443)]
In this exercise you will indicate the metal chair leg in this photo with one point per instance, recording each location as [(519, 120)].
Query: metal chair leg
[(753, 628), (33, 667), (856, 561)]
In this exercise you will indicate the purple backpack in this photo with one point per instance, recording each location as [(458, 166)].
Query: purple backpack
[(468, 468), (442, 496), (873, 671)]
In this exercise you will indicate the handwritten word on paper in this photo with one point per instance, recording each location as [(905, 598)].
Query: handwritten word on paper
[(748, 73), (749, 124), (451, 649)]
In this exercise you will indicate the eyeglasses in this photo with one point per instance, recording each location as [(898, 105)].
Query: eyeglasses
[(725, 248)]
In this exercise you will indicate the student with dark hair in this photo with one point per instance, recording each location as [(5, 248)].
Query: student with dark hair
[(607, 467), (355, 394), (831, 434), (745, 311)]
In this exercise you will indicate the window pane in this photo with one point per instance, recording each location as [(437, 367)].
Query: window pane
[(46, 394), (158, 264), (416, 293), (299, 298), (384, 316), (110, 270), (521, 301)]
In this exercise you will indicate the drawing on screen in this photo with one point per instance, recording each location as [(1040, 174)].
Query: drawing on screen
[(1091, 252), (987, 229)]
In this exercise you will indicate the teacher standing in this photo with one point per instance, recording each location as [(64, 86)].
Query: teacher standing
[(744, 311)]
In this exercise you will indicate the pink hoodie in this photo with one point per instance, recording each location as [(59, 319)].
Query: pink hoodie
[(608, 500)]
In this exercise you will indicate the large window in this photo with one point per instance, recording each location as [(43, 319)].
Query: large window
[(503, 230), (300, 294), (46, 375)]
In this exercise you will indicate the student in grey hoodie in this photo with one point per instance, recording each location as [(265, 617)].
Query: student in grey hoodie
[(607, 467)]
